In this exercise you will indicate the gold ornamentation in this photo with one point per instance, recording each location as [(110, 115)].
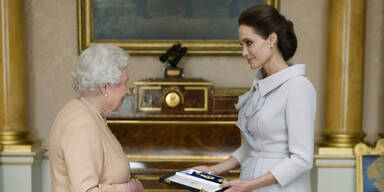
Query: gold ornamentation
[(176, 91), (344, 80), (171, 83), (176, 158), (13, 137), (341, 140), (21, 148), (172, 99), (171, 122), (173, 73), (274, 3), (13, 113), (174, 116), (17, 163)]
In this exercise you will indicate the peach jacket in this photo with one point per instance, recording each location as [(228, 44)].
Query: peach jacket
[(84, 155)]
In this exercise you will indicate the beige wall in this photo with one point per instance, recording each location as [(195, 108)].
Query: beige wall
[(373, 118), (51, 33)]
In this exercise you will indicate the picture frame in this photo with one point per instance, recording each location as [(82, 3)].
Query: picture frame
[(369, 167), (196, 26)]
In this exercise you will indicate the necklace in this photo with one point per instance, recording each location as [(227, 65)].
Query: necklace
[(94, 109)]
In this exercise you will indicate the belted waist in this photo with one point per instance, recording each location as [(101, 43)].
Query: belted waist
[(270, 155)]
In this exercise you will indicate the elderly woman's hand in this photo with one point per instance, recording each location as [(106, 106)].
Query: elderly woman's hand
[(134, 185)]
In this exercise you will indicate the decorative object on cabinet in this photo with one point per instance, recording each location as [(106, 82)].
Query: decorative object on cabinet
[(177, 124), (370, 167), (172, 58)]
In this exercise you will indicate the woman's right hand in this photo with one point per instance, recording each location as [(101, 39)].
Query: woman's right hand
[(208, 169), (134, 185)]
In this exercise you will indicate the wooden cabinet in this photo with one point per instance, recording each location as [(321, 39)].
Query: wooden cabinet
[(177, 124)]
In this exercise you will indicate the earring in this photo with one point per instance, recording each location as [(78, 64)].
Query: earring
[(106, 94), (272, 45)]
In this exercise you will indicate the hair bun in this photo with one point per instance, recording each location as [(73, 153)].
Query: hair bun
[(265, 19)]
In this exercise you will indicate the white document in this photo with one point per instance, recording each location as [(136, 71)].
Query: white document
[(197, 179)]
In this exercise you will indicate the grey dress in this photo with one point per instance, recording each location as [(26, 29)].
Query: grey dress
[(276, 120)]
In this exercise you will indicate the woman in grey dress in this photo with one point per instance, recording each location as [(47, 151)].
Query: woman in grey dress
[(276, 116)]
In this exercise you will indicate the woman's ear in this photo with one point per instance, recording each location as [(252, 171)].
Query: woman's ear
[(103, 90), (272, 38)]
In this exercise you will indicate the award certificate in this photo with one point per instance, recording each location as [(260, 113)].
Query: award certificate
[(194, 180)]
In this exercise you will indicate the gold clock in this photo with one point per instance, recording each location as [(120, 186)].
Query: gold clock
[(172, 99)]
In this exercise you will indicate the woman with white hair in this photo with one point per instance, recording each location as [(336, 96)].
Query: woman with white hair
[(83, 152)]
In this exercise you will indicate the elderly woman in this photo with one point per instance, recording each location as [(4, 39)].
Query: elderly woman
[(84, 154)]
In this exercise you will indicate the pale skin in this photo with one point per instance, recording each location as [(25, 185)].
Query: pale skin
[(109, 99), (259, 52)]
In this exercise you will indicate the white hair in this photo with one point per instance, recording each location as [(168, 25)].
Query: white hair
[(98, 66)]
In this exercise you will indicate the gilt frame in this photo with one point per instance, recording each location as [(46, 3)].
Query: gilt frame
[(153, 46), (365, 153)]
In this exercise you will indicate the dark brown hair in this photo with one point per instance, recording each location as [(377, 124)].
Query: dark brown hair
[(265, 19)]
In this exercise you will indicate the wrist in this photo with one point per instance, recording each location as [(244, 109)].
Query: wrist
[(254, 183), (262, 181), (214, 170)]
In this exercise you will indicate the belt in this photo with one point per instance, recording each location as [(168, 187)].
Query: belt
[(270, 155)]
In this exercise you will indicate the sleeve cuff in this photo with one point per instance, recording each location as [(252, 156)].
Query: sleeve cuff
[(240, 154), (287, 171)]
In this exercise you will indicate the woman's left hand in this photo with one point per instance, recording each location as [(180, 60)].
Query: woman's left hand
[(134, 185), (249, 185), (237, 186)]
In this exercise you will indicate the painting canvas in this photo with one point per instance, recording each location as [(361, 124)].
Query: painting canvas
[(168, 19), (373, 172), (370, 167), (152, 26)]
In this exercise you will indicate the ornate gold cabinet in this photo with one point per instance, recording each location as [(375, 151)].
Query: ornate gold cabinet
[(176, 124)]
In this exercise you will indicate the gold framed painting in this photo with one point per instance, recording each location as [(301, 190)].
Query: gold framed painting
[(370, 167), (150, 27)]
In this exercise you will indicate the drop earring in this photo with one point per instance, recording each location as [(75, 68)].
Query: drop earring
[(106, 94)]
